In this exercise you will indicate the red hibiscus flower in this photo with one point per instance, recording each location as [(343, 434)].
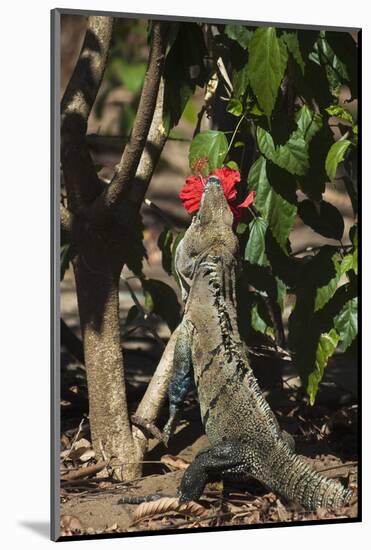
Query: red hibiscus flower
[(193, 188)]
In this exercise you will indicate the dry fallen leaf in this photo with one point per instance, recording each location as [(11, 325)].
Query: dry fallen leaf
[(82, 443), (88, 454), (70, 524), (254, 518), (65, 442), (167, 504), (175, 462), (283, 515)]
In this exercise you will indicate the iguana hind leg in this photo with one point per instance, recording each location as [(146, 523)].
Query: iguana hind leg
[(181, 378), (230, 456)]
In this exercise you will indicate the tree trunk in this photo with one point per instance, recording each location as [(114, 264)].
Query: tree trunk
[(97, 273)]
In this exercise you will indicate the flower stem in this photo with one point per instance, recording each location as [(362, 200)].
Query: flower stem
[(234, 134)]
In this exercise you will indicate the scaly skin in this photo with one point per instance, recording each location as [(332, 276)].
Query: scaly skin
[(246, 440)]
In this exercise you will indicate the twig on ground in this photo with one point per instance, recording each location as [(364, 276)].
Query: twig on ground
[(75, 438), (84, 472)]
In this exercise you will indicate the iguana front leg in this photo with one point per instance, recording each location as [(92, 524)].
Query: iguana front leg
[(181, 378), (229, 456)]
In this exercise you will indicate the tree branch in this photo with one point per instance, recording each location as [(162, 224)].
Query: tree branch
[(147, 138), (155, 394), (82, 182), (155, 143)]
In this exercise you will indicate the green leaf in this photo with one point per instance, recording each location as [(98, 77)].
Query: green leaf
[(211, 146), (64, 258), (314, 86), (292, 43), (293, 156), (235, 107), (276, 211), (255, 248), (184, 69), (308, 122), (314, 182), (303, 334), (266, 67), (259, 324), (326, 292), (161, 300), (345, 49), (265, 143), (240, 80), (164, 243), (353, 235), (346, 323), (233, 164), (281, 293), (335, 156), (132, 315), (336, 71), (241, 228), (253, 109), (136, 251), (340, 112), (240, 34), (174, 247), (326, 347), (322, 217), (307, 39)]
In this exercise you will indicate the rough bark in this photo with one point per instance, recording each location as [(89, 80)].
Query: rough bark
[(97, 272)]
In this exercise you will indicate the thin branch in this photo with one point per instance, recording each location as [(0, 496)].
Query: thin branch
[(235, 133), (112, 140), (82, 182), (155, 394), (146, 141), (75, 438), (146, 426), (156, 140), (161, 214)]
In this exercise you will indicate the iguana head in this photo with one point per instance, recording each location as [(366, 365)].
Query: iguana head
[(209, 233)]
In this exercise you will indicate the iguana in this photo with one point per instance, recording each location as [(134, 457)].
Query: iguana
[(246, 440)]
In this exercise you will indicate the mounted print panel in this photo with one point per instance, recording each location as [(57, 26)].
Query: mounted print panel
[(205, 196)]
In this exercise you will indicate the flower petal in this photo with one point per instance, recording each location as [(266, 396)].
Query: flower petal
[(249, 200), (229, 178), (191, 193)]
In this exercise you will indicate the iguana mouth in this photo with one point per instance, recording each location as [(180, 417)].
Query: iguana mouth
[(212, 180)]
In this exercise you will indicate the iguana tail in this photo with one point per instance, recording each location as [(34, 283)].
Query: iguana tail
[(293, 478)]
